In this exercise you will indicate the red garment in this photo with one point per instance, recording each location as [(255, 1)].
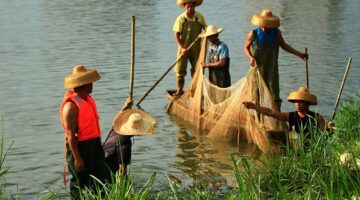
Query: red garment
[(88, 126)]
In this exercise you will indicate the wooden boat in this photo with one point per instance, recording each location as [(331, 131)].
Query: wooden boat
[(219, 112)]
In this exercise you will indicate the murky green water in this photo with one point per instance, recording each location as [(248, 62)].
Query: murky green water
[(42, 40)]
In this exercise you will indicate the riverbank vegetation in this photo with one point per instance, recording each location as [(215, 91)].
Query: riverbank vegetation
[(314, 173), (3, 153)]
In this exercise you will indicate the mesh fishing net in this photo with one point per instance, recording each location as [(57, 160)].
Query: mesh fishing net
[(219, 112)]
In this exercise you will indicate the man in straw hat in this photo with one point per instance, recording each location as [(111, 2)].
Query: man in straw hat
[(80, 121), (262, 49), (218, 59), (186, 29), (300, 120), (126, 124)]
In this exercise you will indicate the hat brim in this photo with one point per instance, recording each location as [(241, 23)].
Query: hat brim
[(206, 34), (268, 22), (302, 96), (149, 123), (181, 3), (77, 80)]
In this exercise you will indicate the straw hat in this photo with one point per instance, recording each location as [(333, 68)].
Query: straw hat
[(303, 94), (181, 3), (210, 30), (348, 160), (134, 122), (80, 76), (265, 19)]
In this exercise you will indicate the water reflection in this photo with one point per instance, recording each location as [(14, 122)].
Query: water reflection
[(208, 163)]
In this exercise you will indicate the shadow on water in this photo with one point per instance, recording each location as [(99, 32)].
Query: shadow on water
[(207, 163)]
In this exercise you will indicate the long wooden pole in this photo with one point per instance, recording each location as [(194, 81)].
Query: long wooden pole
[(201, 105), (132, 58), (341, 87), (307, 71), (165, 73)]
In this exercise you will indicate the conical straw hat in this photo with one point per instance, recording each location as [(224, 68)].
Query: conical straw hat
[(211, 30), (134, 122), (80, 76), (303, 94), (266, 19), (180, 3)]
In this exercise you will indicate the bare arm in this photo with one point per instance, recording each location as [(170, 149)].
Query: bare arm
[(289, 49), (246, 48), (284, 116), (321, 122), (70, 113), (127, 104), (179, 43), (220, 63)]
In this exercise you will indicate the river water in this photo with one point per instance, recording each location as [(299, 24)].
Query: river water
[(42, 40)]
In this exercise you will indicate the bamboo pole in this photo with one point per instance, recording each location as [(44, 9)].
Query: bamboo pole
[(132, 58), (165, 73), (341, 87), (307, 71), (201, 105)]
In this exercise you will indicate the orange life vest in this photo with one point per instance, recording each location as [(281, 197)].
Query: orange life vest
[(87, 120)]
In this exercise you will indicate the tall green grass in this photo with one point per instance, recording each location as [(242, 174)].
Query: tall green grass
[(313, 173), (3, 154), (348, 126)]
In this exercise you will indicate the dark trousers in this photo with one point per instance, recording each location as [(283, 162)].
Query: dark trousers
[(92, 154)]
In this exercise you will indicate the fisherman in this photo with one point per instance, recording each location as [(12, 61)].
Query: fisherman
[(301, 120), (80, 120), (117, 146), (218, 59), (262, 49), (187, 27)]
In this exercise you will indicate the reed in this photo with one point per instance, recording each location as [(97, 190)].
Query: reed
[(3, 154), (347, 124), (315, 173)]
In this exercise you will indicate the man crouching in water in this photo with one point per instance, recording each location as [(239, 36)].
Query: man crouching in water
[(300, 120)]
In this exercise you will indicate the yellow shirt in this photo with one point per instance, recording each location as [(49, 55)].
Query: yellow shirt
[(181, 18)]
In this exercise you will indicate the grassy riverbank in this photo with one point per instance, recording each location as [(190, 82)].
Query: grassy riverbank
[(312, 174)]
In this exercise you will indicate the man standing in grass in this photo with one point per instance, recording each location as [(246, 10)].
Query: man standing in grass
[(80, 120), (187, 27), (117, 146)]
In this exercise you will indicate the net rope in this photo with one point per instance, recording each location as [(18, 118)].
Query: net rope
[(219, 112)]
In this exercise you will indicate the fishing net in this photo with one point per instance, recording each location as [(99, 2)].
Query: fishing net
[(219, 112)]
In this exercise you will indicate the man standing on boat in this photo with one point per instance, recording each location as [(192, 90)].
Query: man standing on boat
[(186, 29), (80, 120), (218, 57), (262, 49)]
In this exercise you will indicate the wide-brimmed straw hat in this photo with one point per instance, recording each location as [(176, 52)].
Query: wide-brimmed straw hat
[(211, 30), (302, 94), (181, 3), (266, 19), (134, 122), (80, 76)]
